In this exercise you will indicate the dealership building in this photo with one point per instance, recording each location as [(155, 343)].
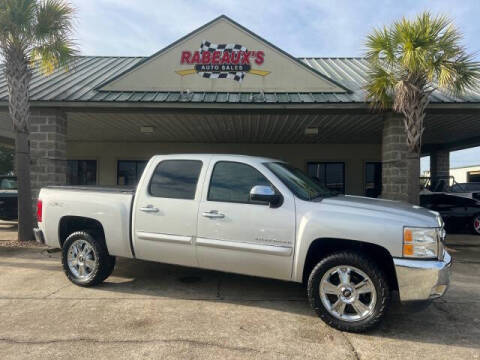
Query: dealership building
[(224, 89)]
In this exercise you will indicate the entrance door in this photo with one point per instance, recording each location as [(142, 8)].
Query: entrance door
[(165, 211), (236, 234)]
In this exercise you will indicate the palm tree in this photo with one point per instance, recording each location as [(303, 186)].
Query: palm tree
[(408, 61), (32, 33)]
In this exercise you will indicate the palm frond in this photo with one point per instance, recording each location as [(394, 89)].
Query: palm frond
[(380, 88), (423, 54), (41, 30), (51, 56), (54, 19), (16, 21)]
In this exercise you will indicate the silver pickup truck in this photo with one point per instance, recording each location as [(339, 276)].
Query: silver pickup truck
[(254, 216)]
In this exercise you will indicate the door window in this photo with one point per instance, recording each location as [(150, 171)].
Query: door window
[(232, 182), (175, 179), (329, 174)]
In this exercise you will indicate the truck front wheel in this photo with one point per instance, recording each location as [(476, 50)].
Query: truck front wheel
[(349, 291), (85, 260)]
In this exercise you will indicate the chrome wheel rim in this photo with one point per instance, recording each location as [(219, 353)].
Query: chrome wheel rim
[(81, 260), (476, 224), (348, 293)]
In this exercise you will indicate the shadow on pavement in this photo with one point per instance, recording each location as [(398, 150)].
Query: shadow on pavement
[(453, 320)]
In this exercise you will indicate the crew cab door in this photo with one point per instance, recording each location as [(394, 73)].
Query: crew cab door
[(165, 210), (238, 235)]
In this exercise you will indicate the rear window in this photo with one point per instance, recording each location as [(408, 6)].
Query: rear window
[(8, 183), (175, 179)]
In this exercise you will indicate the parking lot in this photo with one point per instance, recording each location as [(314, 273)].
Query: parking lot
[(148, 310)]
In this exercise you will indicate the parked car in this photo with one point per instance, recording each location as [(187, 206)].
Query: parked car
[(8, 198), (470, 190), (253, 216), (447, 184), (457, 210)]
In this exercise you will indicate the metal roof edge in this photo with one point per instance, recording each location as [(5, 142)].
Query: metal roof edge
[(227, 105), (190, 105)]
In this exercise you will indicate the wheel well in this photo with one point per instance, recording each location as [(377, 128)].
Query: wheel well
[(71, 224), (321, 248)]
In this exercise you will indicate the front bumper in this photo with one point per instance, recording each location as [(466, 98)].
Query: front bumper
[(422, 279), (39, 235)]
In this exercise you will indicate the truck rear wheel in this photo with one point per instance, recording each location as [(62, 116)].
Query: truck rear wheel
[(349, 291), (85, 260)]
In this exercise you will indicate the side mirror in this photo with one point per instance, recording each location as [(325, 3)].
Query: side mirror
[(265, 194)]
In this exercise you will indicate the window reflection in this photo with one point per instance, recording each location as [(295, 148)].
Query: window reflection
[(176, 179), (232, 182)]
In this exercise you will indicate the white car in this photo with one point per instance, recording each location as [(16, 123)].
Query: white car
[(254, 216)]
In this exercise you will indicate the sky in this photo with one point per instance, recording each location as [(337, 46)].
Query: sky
[(302, 28)]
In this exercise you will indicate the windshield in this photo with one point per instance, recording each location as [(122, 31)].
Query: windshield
[(462, 187), (298, 182), (8, 183)]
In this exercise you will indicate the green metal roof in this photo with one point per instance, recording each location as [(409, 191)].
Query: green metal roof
[(86, 73)]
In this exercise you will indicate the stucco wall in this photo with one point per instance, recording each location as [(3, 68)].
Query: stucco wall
[(460, 174), (107, 155)]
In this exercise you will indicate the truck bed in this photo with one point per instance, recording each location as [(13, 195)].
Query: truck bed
[(110, 206)]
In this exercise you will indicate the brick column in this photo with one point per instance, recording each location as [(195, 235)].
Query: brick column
[(439, 169), (48, 150), (440, 163), (400, 171)]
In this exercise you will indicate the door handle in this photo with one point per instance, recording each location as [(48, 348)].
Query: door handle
[(213, 214), (149, 209)]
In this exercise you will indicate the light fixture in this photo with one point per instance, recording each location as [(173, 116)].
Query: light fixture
[(311, 131), (146, 129)]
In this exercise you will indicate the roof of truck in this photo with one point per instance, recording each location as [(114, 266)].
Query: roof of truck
[(210, 155)]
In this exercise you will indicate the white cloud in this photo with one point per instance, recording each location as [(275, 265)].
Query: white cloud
[(303, 28)]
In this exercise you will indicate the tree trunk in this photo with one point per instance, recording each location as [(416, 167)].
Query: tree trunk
[(413, 177), (22, 170), (18, 76)]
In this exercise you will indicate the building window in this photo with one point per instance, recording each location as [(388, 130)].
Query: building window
[(175, 179), (473, 176), (129, 171), (81, 172), (373, 179), (329, 174)]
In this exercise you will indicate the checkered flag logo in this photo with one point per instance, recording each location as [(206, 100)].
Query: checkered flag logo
[(232, 75)]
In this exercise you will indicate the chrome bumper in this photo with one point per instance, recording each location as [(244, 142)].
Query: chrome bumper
[(39, 235), (422, 279)]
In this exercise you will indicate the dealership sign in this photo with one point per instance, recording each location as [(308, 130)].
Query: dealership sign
[(223, 61)]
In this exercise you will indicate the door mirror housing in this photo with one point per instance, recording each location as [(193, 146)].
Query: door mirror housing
[(265, 194)]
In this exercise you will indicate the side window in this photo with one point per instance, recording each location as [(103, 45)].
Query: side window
[(175, 179), (232, 182)]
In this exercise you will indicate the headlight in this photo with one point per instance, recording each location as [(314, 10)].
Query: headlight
[(421, 242)]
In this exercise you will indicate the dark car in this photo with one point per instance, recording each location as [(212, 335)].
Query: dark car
[(457, 211), (471, 190), (8, 198)]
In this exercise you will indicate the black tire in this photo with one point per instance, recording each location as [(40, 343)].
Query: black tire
[(476, 226), (371, 269), (104, 263)]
